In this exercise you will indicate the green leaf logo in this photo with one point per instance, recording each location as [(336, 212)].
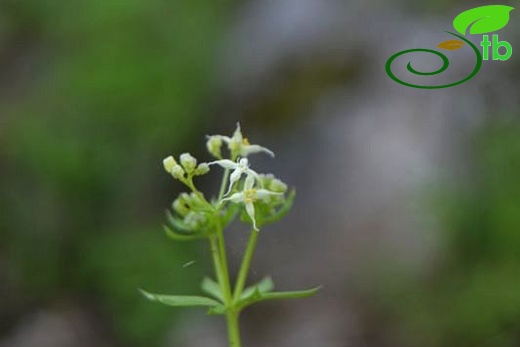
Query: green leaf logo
[(483, 19)]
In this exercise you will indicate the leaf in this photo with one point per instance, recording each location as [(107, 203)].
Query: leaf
[(212, 288), (258, 296), (181, 237), (483, 19), (177, 223), (180, 300), (264, 286), (451, 45), (219, 309)]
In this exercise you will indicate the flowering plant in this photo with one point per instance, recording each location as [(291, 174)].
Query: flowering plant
[(259, 199)]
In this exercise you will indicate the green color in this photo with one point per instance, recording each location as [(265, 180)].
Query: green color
[(483, 19), (388, 66)]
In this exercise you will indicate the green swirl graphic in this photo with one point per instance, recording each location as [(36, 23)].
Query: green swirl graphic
[(445, 64)]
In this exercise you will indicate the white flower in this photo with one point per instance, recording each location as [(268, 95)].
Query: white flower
[(238, 144), (248, 196), (240, 167)]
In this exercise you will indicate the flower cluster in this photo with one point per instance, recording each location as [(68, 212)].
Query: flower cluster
[(260, 197)]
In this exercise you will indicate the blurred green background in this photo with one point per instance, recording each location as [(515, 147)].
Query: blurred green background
[(93, 94)]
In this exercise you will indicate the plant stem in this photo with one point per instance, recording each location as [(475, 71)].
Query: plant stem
[(218, 249), (246, 263), (223, 184), (233, 329)]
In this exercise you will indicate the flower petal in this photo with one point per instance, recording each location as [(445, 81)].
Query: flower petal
[(236, 198), (250, 181), (251, 149), (225, 163), (263, 194), (250, 209)]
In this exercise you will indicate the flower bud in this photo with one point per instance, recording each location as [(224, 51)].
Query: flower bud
[(180, 207), (188, 162), (214, 145), (169, 163), (177, 172), (278, 186), (202, 169)]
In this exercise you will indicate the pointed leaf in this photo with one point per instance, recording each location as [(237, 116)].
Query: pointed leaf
[(212, 288), (451, 45), (483, 19), (264, 286), (257, 296), (177, 223), (180, 300), (180, 237), (219, 309)]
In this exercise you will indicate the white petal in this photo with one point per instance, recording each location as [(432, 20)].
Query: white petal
[(251, 149), (252, 173), (235, 176), (225, 163), (250, 209), (264, 193), (250, 181), (236, 198)]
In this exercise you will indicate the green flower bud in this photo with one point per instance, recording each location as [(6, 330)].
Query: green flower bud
[(179, 205), (188, 162), (202, 169), (278, 186), (177, 172), (169, 163), (214, 145), (195, 220)]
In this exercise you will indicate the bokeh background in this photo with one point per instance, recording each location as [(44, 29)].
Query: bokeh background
[(408, 206)]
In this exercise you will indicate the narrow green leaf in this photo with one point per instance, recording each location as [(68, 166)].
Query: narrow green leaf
[(212, 288), (180, 300), (264, 286), (258, 296), (180, 237), (219, 309), (177, 223), (290, 295), (483, 19)]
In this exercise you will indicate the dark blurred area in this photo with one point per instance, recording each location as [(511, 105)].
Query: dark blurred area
[(408, 205)]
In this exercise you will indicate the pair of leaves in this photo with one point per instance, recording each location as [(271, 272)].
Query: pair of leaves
[(261, 291)]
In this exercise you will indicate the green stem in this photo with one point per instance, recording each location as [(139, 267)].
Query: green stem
[(233, 329), (223, 184), (216, 259), (218, 249), (246, 263)]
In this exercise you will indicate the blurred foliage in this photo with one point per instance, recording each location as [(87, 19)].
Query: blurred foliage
[(96, 93), (472, 297)]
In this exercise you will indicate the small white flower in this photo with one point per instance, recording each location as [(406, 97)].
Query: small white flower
[(239, 145), (240, 167), (249, 195)]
